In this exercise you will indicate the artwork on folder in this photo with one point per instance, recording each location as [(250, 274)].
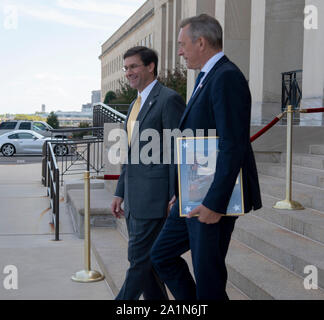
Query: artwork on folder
[(197, 158)]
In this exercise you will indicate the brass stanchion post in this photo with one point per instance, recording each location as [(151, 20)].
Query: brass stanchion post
[(288, 203), (87, 275)]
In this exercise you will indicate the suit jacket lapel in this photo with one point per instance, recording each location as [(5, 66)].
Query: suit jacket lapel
[(129, 111), (200, 87), (149, 102)]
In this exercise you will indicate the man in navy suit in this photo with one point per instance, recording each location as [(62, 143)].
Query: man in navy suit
[(221, 100)]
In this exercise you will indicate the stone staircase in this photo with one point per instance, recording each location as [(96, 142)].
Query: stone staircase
[(269, 249)]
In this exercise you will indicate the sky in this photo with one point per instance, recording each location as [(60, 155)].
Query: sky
[(49, 51)]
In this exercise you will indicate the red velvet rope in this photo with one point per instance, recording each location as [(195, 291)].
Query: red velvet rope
[(111, 177), (266, 128), (312, 110)]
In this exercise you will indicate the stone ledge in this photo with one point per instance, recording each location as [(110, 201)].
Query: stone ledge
[(100, 213), (79, 185)]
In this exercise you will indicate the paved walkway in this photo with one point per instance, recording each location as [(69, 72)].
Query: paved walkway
[(44, 266)]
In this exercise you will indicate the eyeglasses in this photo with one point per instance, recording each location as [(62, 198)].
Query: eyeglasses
[(131, 67)]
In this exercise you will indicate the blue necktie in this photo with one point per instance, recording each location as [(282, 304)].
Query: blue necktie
[(200, 75)]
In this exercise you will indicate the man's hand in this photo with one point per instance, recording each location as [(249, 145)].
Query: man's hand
[(115, 207), (205, 215), (171, 203)]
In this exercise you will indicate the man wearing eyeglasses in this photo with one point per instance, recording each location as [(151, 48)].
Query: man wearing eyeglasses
[(146, 189)]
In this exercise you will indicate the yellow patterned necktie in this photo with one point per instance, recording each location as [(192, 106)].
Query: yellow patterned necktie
[(132, 118)]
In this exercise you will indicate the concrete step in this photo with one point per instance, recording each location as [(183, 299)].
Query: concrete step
[(305, 160), (262, 279), (100, 213), (267, 156), (308, 222), (316, 149), (79, 185), (289, 249), (308, 196), (300, 159), (309, 176), (110, 249)]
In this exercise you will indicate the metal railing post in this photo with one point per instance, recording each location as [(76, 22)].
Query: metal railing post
[(88, 156), (288, 203), (57, 204), (283, 93), (87, 275)]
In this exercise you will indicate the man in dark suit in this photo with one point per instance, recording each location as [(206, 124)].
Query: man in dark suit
[(145, 187), (221, 100)]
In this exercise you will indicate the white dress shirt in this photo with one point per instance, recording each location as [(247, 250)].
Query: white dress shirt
[(145, 93), (209, 65)]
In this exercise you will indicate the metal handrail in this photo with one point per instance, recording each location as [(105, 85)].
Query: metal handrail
[(291, 93), (75, 129), (105, 114), (53, 187), (79, 153), (76, 154)]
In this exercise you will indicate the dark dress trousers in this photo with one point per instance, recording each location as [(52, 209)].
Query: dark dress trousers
[(146, 190), (221, 102)]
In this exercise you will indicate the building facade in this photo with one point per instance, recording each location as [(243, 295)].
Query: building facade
[(73, 118), (95, 96), (263, 37)]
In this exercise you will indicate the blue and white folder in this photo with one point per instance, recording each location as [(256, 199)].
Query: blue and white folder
[(197, 158)]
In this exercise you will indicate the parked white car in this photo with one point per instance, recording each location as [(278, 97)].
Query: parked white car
[(27, 142), (40, 127)]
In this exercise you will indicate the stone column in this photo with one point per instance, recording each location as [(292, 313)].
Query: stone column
[(237, 28), (276, 47), (189, 9), (169, 34), (257, 57), (175, 32), (220, 11), (313, 63), (159, 37)]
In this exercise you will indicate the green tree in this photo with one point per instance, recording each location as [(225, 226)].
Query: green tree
[(110, 95), (52, 120), (83, 133), (125, 95), (176, 80)]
